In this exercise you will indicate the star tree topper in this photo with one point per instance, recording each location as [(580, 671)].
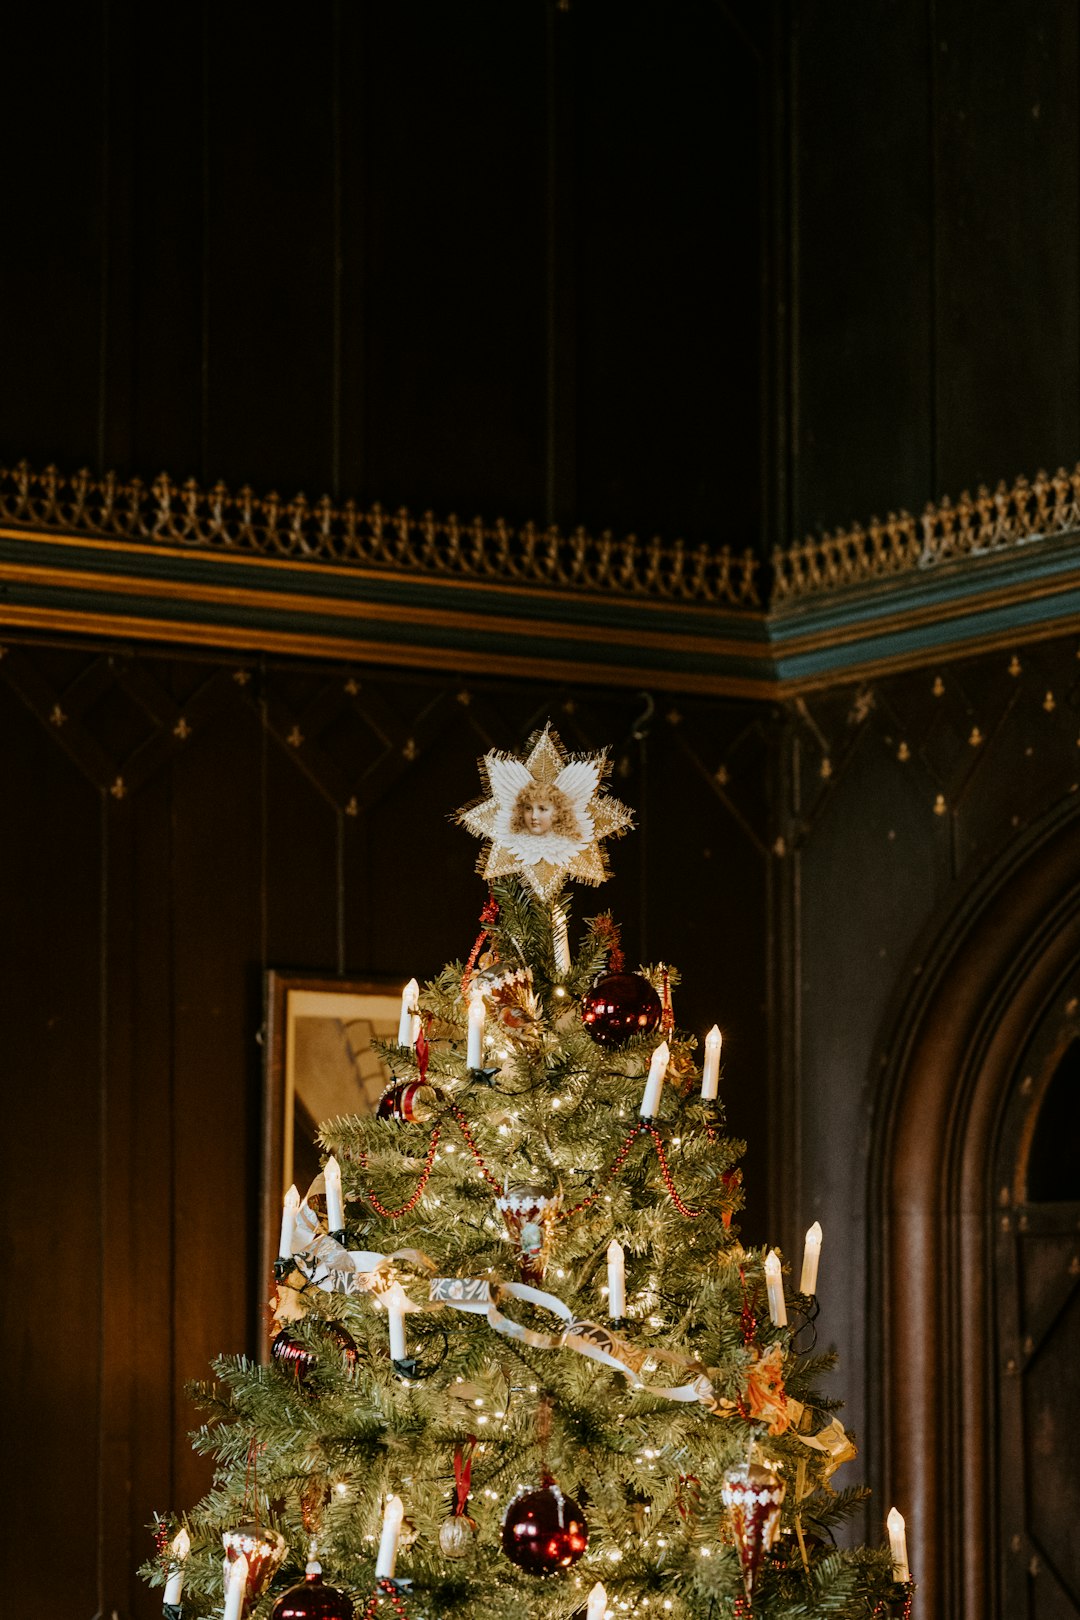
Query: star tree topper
[(545, 816)]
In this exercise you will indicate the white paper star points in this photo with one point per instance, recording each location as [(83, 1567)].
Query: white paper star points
[(545, 816)]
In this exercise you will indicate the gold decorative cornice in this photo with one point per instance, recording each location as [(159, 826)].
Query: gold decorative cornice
[(973, 526), (186, 515)]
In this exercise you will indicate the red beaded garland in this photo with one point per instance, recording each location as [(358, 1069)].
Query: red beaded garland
[(669, 1182)]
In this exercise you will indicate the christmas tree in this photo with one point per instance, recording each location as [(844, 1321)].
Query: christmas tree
[(522, 1365)]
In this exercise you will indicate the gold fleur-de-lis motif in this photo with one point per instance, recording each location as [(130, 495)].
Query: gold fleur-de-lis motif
[(903, 753), (118, 790), (825, 768), (181, 729), (57, 717), (1014, 666), (976, 737), (721, 775), (241, 676), (1048, 703), (940, 805), (779, 848), (352, 808), (938, 686), (410, 749), (352, 686), (295, 737)]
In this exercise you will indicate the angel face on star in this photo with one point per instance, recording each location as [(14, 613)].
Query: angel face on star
[(540, 810)]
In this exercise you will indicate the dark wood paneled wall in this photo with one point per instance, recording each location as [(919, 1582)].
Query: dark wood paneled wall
[(719, 269), (175, 826)]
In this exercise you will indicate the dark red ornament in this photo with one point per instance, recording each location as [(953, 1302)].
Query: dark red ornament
[(544, 1531), (311, 1600), (410, 1101), (299, 1360), (618, 1006)]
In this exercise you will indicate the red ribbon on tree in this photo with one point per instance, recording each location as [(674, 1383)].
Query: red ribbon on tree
[(423, 1051), (463, 1458)]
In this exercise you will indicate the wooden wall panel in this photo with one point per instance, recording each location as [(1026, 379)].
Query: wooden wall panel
[(1008, 229), (53, 1192), (863, 212)]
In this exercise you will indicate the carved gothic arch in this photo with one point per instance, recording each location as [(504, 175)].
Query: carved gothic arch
[(955, 1038)]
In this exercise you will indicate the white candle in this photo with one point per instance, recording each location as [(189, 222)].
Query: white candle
[(395, 1315), (409, 1023), (179, 1547), (393, 1514), (597, 1603), (774, 1284), (710, 1074), (650, 1103), (474, 1055), (898, 1545), (616, 1279), (235, 1588), (335, 1208), (560, 940), (288, 1223), (810, 1256)]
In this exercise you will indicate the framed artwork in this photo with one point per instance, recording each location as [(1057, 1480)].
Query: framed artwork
[(319, 1063)]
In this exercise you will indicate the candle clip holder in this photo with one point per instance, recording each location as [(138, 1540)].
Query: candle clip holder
[(338, 1236), (808, 1307), (898, 1604), (172, 1611), (483, 1077), (415, 1370), (282, 1268)]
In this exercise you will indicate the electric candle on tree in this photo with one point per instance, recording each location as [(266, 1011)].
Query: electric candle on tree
[(654, 1085), (388, 1543), (811, 1255), (774, 1286), (560, 940), (710, 1074), (474, 1054), (288, 1223), (395, 1316), (898, 1546), (235, 1587), (597, 1603), (179, 1547), (409, 1024), (616, 1280), (335, 1207)]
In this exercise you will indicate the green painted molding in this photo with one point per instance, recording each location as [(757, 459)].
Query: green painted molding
[(178, 568)]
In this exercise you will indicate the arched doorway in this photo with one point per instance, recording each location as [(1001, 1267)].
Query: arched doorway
[(1037, 1256), (996, 975)]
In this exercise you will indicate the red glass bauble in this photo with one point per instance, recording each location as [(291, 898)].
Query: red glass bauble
[(544, 1531), (299, 1360), (411, 1101), (618, 1006), (311, 1600)]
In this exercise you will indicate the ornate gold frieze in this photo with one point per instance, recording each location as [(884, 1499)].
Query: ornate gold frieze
[(186, 515), (975, 525)]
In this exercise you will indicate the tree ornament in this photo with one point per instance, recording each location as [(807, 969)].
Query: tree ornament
[(299, 1360), (456, 1535), (544, 1531), (530, 1212), (618, 1006), (311, 1600), (264, 1550), (752, 1496), (545, 816), (409, 1101)]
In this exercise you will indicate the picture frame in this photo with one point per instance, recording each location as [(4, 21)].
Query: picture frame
[(319, 1063)]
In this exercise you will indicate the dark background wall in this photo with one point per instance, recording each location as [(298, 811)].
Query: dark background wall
[(721, 269)]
